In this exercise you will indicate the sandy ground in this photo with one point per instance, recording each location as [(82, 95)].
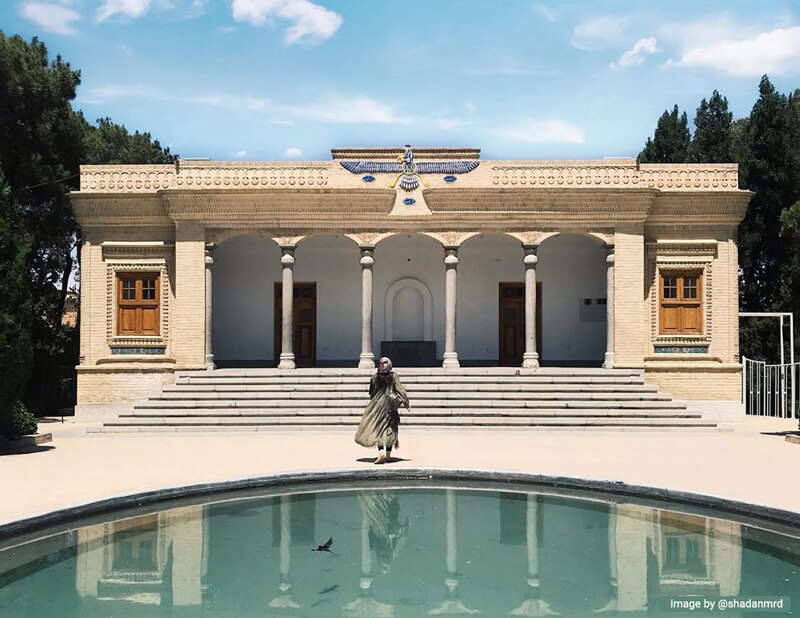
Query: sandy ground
[(742, 462)]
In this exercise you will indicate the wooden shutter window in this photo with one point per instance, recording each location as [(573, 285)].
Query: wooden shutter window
[(680, 303), (138, 303)]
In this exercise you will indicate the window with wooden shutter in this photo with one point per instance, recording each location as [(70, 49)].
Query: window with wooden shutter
[(138, 307), (680, 303)]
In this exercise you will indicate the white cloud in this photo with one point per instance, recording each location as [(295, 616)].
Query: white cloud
[(127, 50), (241, 154), (124, 8), (293, 153), (470, 107), (599, 33), (51, 17), (505, 70), (227, 30), (307, 20), (549, 14), (336, 109), (776, 52), (340, 109), (548, 130), (636, 54)]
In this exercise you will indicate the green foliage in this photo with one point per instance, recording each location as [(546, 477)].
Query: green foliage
[(19, 423), (670, 143), (42, 143), (16, 352), (770, 157), (111, 143), (712, 140), (766, 145)]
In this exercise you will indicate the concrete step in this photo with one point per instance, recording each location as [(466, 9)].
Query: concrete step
[(409, 417), (318, 372), (443, 395), (165, 404), (361, 387), (222, 424), (456, 380)]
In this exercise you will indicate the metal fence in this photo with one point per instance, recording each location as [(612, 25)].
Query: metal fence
[(770, 390)]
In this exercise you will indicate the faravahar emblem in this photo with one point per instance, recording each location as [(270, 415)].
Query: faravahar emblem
[(409, 171)]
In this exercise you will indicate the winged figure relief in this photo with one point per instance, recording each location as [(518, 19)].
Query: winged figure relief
[(408, 170)]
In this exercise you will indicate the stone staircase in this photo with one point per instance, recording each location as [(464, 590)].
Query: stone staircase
[(546, 398)]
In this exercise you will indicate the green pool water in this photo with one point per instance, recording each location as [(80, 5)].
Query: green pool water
[(397, 552)]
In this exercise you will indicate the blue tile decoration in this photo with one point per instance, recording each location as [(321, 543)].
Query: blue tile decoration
[(138, 350), (450, 178), (408, 169), (681, 349), (409, 201)]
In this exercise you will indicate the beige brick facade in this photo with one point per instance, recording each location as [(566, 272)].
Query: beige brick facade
[(161, 218)]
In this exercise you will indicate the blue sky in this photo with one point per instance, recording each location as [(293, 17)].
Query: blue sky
[(289, 79)]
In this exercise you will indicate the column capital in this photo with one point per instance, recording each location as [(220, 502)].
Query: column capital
[(530, 259), (367, 257), (287, 257), (209, 250), (451, 257)]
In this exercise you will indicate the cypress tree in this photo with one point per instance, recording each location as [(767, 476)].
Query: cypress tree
[(670, 143), (712, 135)]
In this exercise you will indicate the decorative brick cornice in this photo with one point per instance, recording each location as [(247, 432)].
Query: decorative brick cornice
[(119, 209), (616, 173), (202, 175), (609, 205), (267, 206), (700, 208)]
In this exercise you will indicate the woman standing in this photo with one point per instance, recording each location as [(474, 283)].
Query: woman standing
[(380, 420)]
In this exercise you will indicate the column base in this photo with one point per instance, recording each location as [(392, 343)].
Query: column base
[(530, 360), (608, 363), (366, 360), (210, 366), (287, 362), (450, 360)]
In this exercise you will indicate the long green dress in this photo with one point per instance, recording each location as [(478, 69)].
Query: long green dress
[(379, 422)]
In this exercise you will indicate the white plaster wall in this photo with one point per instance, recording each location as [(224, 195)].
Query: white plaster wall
[(484, 262), (408, 256), (332, 261), (571, 267), (245, 270), (246, 267)]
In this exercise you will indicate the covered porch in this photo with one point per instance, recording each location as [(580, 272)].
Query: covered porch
[(452, 299)]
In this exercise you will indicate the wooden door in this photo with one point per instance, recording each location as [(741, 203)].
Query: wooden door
[(512, 322), (304, 323)]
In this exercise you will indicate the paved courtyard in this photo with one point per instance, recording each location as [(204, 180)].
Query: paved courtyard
[(745, 461)]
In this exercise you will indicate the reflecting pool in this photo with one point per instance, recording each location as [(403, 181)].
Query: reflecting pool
[(396, 552)]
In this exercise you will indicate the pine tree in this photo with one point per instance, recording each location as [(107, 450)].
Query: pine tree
[(670, 143), (768, 166), (16, 352), (712, 138)]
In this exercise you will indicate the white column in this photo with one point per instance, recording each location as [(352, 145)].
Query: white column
[(533, 605), (366, 359), (450, 356), (284, 598), (530, 359), (608, 363), (287, 307), (209, 348)]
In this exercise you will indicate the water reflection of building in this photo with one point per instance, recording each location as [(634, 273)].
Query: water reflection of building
[(656, 554), (155, 559), (623, 558)]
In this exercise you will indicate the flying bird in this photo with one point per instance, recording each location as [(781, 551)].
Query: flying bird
[(329, 589), (326, 546)]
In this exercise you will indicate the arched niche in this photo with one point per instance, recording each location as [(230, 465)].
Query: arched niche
[(402, 286)]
